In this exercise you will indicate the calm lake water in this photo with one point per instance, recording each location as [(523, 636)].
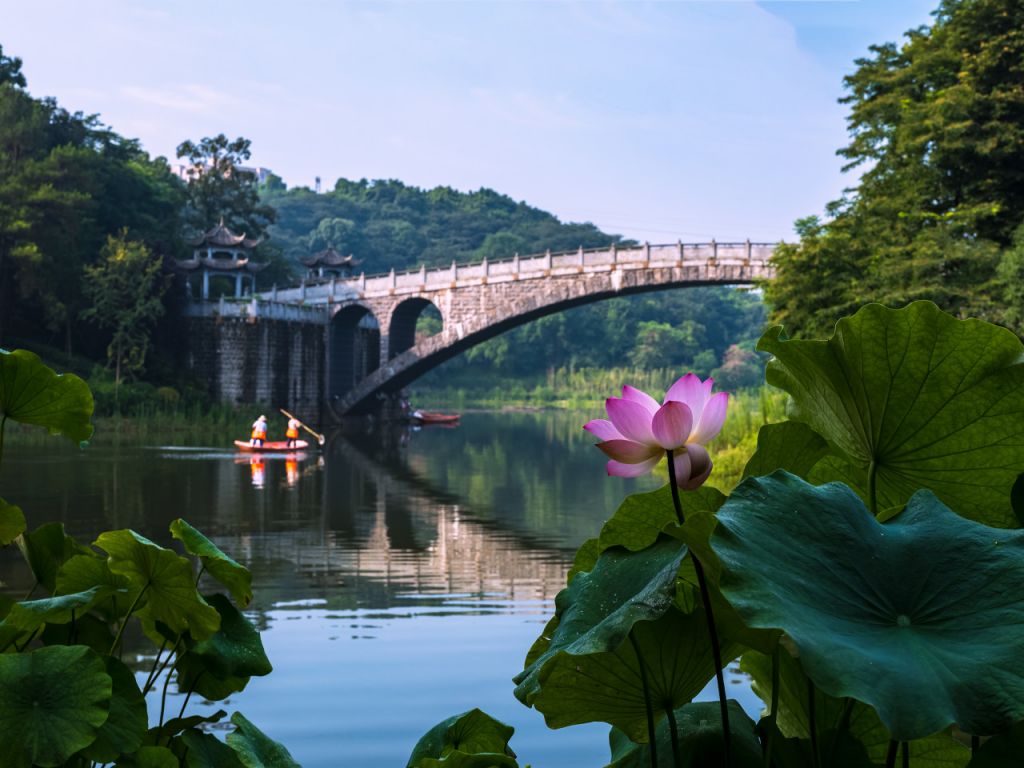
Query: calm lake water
[(398, 580)]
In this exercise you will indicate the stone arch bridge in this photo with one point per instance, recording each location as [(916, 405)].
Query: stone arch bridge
[(369, 348)]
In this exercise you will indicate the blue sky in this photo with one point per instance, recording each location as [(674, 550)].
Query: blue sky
[(658, 120)]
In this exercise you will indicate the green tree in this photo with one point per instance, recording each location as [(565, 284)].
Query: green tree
[(219, 189), (125, 290)]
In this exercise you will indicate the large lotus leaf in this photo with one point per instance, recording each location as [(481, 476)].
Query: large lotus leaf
[(912, 616), (32, 393), (585, 558), (52, 704), (28, 616), (835, 749), (125, 728), (598, 608), (255, 749), (234, 650), (194, 676), (46, 549), (642, 517), (789, 445), (88, 630), (81, 572), (473, 739), (833, 718), (165, 733), (149, 757), (700, 739), (207, 751), (933, 401), (235, 577), (12, 523), (1004, 749), (608, 686), (171, 595)]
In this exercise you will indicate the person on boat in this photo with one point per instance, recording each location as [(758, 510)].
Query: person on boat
[(259, 432), (292, 433)]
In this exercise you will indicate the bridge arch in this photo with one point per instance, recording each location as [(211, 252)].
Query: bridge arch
[(353, 344), (402, 325)]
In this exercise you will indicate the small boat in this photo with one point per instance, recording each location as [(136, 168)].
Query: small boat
[(432, 417), (276, 446)]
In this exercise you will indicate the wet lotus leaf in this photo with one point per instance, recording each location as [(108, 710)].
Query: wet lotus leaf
[(933, 401), (598, 609), (234, 650), (642, 517), (584, 558), (171, 595), (33, 393), (125, 728), (12, 523), (46, 549), (860, 723), (255, 749), (789, 445), (194, 676), (27, 616), (235, 577), (162, 734), (700, 738), (84, 571), (924, 634), (473, 739), (608, 686), (149, 757), (207, 751), (53, 702)]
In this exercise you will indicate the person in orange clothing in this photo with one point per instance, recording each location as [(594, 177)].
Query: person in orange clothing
[(292, 432), (259, 432)]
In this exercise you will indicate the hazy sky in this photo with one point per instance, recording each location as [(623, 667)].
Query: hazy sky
[(658, 120)]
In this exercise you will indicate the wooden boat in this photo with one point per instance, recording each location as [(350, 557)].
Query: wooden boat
[(275, 446), (432, 417)]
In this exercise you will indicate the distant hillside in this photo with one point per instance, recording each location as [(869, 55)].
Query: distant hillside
[(388, 224)]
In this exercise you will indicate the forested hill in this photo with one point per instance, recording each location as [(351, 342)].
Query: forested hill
[(389, 224)]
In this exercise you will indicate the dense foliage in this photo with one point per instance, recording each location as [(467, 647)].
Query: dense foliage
[(861, 575), (937, 131)]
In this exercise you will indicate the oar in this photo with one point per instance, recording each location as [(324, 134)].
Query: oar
[(319, 438)]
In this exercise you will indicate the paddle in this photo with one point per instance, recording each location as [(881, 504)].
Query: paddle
[(319, 438)]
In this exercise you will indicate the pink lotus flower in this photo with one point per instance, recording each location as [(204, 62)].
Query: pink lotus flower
[(639, 431)]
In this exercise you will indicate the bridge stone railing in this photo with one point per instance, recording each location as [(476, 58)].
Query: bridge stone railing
[(535, 266), (256, 308)]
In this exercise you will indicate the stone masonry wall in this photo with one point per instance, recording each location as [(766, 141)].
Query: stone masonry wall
[(276, 363)]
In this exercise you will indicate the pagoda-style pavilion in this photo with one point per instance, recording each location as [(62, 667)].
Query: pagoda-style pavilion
[(329, 263), (219, 251)]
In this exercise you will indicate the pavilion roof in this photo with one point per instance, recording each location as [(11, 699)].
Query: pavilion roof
[(219, 265), (328, 258), (221, 236)]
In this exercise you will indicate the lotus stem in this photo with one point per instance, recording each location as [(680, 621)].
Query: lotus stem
[(890, 756), (199, 575), (705, 596), (150, 683), (163, 697), (671, 715), (812, 725), (773, 716), (647, 701), (844, 725), (156, 663), (906, 754), (975, 743), (124, 623)]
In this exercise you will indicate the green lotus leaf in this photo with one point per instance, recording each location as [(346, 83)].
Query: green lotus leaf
[(172, 727), (125, 728), (932, 401), (1017, 499), (700, 738), (234, 650), (255, 749), (149, 757), (88, 630), (235, 577), (53, 702), (12, 523), (33, 393), (167, 579), (1001, 750), (608, 686), (598, 609), (473, 739), (836, 749), (836, 718), (789, 445), (46, 549), (28, 616), (207, 751), (82, 572), (194, 676), (642, 517), (924, 634), (585, 558)]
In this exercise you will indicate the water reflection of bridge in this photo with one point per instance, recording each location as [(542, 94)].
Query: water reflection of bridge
[(386, 533)]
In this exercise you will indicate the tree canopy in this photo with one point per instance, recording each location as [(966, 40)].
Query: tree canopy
[(937, 132)]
